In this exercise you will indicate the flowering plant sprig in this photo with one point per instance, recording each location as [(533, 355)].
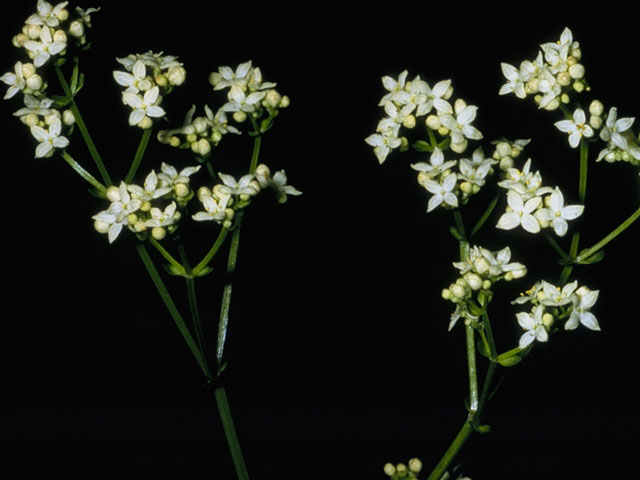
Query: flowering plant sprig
[(152, 209), (555, 80)]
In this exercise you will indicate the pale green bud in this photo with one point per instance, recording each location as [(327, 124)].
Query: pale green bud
[(466, 188), (547, 320), (443, 130), (60, 36), (389, 469), (28, 69), (474, 281), (62, 14), (415, 465), (409, 121), (200, 124), (204, 147), (30, 119), (578, 86), (145, 123), (19, 40), (458, 292), (161, 80), (433, 122), (239, 116), (576, 71), (132, 218), (34, 82), (285, 101), (174, 141), (596, 108), (113, 194), (139, 226), (158, 233), (182, 190), (503, 149), (203, 192), (460, 147), (76, 29), (101, 227), (506, 163), (481, 265), (486, 285), (176, 75), (446, 294), (595, 121), (564, 79), (68, 118), (32, 31), (145, 206), (272, 99)]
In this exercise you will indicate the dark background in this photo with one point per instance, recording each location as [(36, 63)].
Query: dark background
[(339, 356)]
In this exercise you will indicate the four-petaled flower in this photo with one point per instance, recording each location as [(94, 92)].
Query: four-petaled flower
[(15, 80), (584, 300), (558, 214), (576, 128), (532, 323), (143, 106), (45, 48), (49, 138), (442, 192), (460, 125), (521, 213)]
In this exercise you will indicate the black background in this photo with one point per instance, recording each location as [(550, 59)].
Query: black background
[(339, 355)]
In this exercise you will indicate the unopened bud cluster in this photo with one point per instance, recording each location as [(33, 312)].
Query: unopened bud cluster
[(402, 471), (549, 304), (552, 77), (45, 36), (223, 200), (153, 208), (406, 101), (478, 272), (147, 77)]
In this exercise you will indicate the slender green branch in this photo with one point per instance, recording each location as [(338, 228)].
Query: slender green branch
[(448, 457), (573, 253), (84, 131), (175, 314), (485, 215), (83, 173), (179, 268), (457, 216), (584, 163), (223, 323), (231, 434), (556, 246), (212, 252), (472, 369), (617, 231), (142, 146)]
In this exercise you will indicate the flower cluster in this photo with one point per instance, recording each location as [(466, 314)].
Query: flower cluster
[(45, 36), (622, 144), (224, 199), (200, 133), (481, 269), (551, 77), (153, 207), (530, 204), (147, 77), (403, 471), (446, 185), (248, 94), (408, 100), (550, 303)]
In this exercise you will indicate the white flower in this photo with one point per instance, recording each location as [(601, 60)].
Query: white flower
[(43, 50), (460, 126), (170, 177), (239, 101), (215, 209), (156, 61), (535, 329), (613, 128), (383, 143), (435, 100), (231, 186), (47, 14), (555, 297), (15, 80), (134, 81), (112, 220), (584, 300), (279, 183), (143, 106), (36, 107), (49, 139), (442, 192), (558, 214), (160, 218), (436, 164), (576, 128), (226, 77), (515, 81), (393, 86), (521, 213)]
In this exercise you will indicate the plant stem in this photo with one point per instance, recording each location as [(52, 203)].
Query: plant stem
[(457, 444), (167, 256), (617, 231), (584, 163), (193, 301), (142, 146), (175, 314), (212, 252), (231, 434), (84, 131), (472, 369), (83, 173)]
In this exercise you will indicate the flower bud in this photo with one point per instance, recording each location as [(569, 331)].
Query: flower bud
[(158, 233), (460, 147), (506, 163), (239, 116), (30, 119), (486, 285), (200, 124), (34, 82), (113, 194), (60, 36), (576, 71), (182, 190), (28, 69), (285, 101), (204, 147), (62, 14), (433, 122), (76, 29), (68, 118), (161, 80), (547, 320), (101, 227), (33, 31), (563, 79), (389, 469), (446, 294), (578, 86), (203, 192), (272, 99), (458, 292), (132, 218), (466, 188), (415, 465), (409, 121), (474, 281), (595, 121), (596, 108), (145, 206), (18, 40), (139, 226), (145, 123), (481, 265), (176, 75), (503, 149), (459, 105)]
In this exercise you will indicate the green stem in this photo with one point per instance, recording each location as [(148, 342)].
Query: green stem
[(179, 268), (193, 301), (485, 215), (573, 253), (231, 434), (175, 314), (584, 163), (211, 253), (83, 173), (472, 369), (223, 323), (142, 146), (448, 457), (457, 216), (556, 246), (617, 231), (84, 131)]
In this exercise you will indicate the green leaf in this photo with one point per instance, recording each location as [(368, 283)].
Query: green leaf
[(173, 270), (204, 271), (456, 234), (509, 361), (481, 429), (482, 349), (595, 258), (422, 146)]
